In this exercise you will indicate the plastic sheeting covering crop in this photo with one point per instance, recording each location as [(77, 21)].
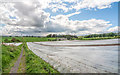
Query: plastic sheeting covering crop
[(16, 44), (95, 59)]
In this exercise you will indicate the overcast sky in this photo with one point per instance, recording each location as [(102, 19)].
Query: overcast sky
[(42, 17)]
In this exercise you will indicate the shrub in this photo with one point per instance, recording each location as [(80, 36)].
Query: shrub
[(15, 40), (6, 40)]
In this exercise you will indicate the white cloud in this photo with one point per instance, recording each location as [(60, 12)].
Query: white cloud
[(61, 23), (55, 5), (88, 4), (114, 29), (67, 5)]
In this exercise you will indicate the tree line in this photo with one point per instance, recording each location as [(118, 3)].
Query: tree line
[(61, 36), (103, 35), (86, 36)]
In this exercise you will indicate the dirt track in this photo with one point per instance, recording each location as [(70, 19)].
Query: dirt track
[(14, 69)]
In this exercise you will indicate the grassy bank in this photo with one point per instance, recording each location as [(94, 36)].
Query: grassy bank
[(9, 57), (34, 64)]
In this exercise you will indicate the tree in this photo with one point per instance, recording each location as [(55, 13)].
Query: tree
[(50, 35)]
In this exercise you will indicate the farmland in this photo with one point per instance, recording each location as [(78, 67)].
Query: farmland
[(47, 55), (73, 57), (26, 39)]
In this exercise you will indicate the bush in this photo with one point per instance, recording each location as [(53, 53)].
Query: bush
[(6, 40), (15, 40)]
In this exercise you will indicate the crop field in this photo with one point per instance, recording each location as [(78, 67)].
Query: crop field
[(15, 44), (70, 56), (90, 56)]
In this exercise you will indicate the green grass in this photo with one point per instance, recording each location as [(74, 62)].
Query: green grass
[(9, 57), (37, 39), (96, 38), (34, 64), (28, 39)]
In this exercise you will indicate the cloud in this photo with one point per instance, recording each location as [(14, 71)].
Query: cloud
[(96, 4), (67, 5), (61, 23), (30, 18), (114, 29), (27, 16)]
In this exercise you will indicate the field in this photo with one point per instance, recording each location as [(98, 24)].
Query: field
[(72, 57), (97, 38), (39, 39), (45, 55), (27, 39)]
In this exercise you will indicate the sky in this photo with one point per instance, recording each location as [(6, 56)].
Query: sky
[(43, 17)]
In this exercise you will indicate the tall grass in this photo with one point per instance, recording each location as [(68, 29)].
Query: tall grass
[(9, 56)]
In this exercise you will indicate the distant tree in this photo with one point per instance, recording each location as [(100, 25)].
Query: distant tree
[(54, 35), (50, 35)]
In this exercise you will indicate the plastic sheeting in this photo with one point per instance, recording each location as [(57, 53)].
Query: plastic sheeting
[(101, 59)]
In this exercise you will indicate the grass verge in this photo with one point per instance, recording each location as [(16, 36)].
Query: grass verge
[(34, 64), (9, 56)]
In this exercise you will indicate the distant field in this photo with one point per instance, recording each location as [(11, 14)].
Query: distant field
[(27, 39), (39, 39), (96, 38)]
